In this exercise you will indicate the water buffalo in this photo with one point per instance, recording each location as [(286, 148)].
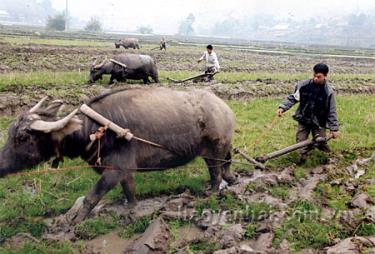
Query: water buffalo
[(126, 66), (128, 43), (188, 123)]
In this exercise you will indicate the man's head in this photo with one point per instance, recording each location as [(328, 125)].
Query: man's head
[(209, 48), (320, 73)]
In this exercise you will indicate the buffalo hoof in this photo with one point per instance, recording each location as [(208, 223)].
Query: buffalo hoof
[(59, 229), (131, 205), (211, 191), (230, 179)]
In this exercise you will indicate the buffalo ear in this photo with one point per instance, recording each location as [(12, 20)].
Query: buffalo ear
[(54, 107), (74, 124)]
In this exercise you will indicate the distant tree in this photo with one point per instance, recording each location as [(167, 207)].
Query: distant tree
[(186, 26), (56, 22), (94, 25), (145, 30)]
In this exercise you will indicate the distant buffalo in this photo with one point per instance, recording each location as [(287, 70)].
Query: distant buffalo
[(126, 66), (132, 43)]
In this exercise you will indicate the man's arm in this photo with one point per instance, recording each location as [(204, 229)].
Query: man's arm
[(332, 121), (289, 101), (217, 65), (202, 57)]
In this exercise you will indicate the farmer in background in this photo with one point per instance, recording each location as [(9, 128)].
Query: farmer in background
[(163, 43), (212, 63), (316, 111)]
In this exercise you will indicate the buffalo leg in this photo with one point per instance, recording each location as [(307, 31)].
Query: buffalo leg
[(146, 80), (155, 78), (128, 186), (111, 80), (215, 173), (227, 175), (109, 179)]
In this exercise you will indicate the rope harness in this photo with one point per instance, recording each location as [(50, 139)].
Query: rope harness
[(265, 132), (97, 136)]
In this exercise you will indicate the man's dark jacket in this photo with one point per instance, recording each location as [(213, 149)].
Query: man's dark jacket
[(317, 106)]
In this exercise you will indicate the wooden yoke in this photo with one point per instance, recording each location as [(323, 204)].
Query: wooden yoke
[(121, 132)]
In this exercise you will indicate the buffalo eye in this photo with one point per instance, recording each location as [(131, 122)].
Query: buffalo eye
[(21, 138)]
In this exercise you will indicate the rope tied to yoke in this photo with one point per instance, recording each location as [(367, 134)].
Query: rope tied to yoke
[(265, 133), (97, 136)]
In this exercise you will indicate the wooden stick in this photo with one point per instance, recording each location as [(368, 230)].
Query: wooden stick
[(250, 159), (316, 140), (119, 63), (187, 79), (121, 132)]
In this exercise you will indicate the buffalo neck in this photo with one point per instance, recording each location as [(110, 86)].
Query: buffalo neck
[(74, 145)]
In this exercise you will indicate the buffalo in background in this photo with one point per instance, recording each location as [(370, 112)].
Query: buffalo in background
[(125, 66)]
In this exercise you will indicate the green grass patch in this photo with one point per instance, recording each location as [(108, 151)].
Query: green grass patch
[(250, 230), (204, 247), (91, 228), (299, 173), (366, 229), (370, 174), (137, 227), (238, 210), (211, 203), (25, 40), (41, 248), (303, 228), (175, 225), (46, 79), (50, 79), (371, 191), (355, 115), (24, 200), (280, 191), (336, 196)]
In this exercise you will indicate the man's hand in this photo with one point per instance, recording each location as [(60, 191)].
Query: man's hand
[(280, 112), (200, 60), (334, 134)]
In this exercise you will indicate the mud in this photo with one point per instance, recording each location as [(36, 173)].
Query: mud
[(352, 245), (217, 226), (108, 244), (213, 226)]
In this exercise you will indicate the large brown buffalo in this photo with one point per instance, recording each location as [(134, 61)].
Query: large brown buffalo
[(187, 123)]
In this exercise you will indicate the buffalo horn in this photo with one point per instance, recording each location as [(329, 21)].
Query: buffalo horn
[(38, 105), (47, 127)]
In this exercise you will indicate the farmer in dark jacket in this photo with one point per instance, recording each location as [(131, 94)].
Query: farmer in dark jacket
[(316, 111)]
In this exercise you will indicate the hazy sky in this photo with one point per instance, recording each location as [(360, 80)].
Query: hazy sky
[(164, 15)]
